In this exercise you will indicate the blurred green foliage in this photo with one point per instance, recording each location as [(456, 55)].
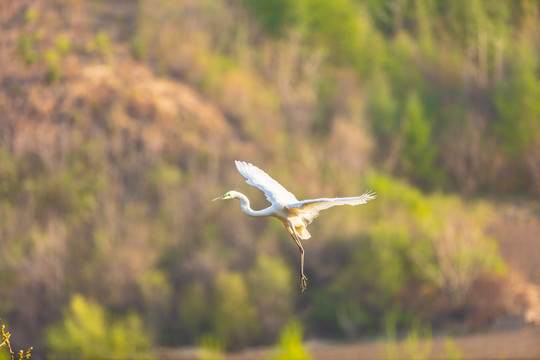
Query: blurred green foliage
[(418, 150), (193, 309), (210, 348), (63, 44), (335, 26), (87, 330), (271, 285), (518, 106), (290, 344), (234, 320), (54, 65), (26, 48), (101, 43), (275, 16), (433, 240), (31, 15), (417, 343), (138, 48), (452, 350)]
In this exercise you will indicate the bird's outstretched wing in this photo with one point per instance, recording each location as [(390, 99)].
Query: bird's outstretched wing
[(275, 193), (309, 209)]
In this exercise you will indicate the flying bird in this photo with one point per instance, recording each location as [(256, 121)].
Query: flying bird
[(295, 215)]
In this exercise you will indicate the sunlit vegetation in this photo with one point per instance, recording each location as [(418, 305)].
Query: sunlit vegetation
[(88, 331), (290, 344), (210, 348), (25, 48), (418, 344), (9, 353), (120, 124)]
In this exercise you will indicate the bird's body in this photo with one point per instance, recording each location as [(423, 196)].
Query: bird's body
[(295, 215), (280, 212)]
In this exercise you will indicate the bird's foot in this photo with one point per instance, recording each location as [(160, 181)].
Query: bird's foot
[(303, 283)]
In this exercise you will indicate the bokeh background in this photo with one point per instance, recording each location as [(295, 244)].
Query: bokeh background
[(120, 121)]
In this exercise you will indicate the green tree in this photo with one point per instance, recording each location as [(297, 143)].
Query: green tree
[(424, 15), (335, 26), (418, 149), (383, 109), (275, 16), (517, 102)]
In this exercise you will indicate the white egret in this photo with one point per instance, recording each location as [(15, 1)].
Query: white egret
[(295, 215)]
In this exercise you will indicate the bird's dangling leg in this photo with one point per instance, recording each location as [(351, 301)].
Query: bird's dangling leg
[(303, 278)]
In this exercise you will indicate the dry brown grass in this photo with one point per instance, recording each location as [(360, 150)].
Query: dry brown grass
[(516, 344)]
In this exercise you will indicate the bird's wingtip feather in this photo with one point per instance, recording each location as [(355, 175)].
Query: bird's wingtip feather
[(370, 194), (239, 164)]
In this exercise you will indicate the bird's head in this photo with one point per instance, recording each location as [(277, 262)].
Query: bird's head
[(228, 195)]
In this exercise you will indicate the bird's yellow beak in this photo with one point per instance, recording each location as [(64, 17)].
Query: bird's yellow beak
[(219, 198)]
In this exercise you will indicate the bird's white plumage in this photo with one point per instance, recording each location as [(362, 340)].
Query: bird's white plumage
[(309, 209), (325, 203), (294, 215), (274, 191), (278, 195)]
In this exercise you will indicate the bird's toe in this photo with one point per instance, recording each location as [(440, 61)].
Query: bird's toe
[(303, 283)]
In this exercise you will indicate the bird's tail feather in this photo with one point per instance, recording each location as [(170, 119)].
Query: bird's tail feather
[(303, 232)]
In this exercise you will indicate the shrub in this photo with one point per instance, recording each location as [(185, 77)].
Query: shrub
[(461, 249), (437, 240), (210, 348), (87, 331), (418, 344), (368, 287), (290, 345)]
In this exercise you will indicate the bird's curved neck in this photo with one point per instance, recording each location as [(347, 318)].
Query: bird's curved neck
[(246, 208)]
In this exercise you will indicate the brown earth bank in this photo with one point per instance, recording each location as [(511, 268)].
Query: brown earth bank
[(508, 344), (519, 344)]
